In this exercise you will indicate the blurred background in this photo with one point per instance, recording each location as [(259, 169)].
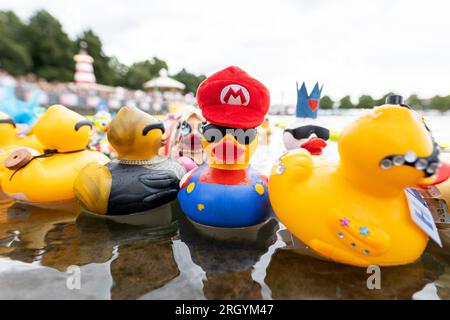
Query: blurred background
[(91, 54)]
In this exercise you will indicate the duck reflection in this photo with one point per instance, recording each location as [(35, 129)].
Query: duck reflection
[(141, 256), (291, 275), (228, 265), (26, 227)]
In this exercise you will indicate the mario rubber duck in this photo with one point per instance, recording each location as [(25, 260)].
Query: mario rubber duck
[(48, 177), (356, 211), (226, 192), (140, 180)]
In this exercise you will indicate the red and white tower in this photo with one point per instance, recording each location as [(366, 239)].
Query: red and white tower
[(84, 70)]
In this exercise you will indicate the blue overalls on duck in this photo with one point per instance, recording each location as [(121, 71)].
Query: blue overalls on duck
[(225, 198)]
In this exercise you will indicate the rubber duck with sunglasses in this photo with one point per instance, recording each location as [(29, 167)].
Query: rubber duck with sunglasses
[(139, 180), (356, 211), (306, 132), (227, 192)]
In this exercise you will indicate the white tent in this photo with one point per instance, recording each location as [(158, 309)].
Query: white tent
[(164, 82)]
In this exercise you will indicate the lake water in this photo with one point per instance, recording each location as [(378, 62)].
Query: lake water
[(42, 252)]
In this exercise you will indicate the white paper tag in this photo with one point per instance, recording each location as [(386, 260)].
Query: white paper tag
[(421, 215)]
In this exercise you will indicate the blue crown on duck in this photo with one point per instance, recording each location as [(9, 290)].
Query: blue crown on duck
[(308, 104)]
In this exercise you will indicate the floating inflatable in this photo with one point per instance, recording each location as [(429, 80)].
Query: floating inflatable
[(306, 132), (355, 211), (140, 180), (226, 192), (35, 177)]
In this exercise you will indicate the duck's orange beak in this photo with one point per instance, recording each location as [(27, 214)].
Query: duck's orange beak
[(314, 146), (228, 151)]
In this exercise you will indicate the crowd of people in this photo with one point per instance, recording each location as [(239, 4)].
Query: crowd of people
[(88, 97)]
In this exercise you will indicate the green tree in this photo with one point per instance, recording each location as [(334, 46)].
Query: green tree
[(414, 102), (119, 72), (140, 72), (346, 103), (190, 80), (103, 69), (14, 55), (440, 103), (50, 47), (326, 103), (382, 100), (366, 102)]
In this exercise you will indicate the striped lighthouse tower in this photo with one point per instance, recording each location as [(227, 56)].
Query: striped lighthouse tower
[(84, 70)]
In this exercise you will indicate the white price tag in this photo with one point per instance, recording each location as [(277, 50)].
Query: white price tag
[(421, 215)]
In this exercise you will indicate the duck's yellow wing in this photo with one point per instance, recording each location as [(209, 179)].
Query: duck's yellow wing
[(296, 164), (92, 187), (359, 240)]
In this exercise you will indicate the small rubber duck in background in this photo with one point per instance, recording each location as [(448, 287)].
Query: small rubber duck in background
[(356, 211), (186, 139), (226, 192), (306, 132), (139, 180), (48, 177), (9, 135), (101, 122), (264, 132)]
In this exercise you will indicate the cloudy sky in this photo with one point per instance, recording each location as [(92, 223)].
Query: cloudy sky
[(352, 46)]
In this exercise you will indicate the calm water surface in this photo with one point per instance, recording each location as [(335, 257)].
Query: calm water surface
[(38, 246)]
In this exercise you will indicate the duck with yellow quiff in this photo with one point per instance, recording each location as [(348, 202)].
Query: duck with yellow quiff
[(356, 211), (47, 177), (139, 180), (226, 192)]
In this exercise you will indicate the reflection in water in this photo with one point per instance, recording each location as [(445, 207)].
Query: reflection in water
[(228, 266)]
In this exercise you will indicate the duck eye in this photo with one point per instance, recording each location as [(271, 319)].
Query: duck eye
[(185, 128)]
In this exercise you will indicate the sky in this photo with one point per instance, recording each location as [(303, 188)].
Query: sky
[(351, 46)]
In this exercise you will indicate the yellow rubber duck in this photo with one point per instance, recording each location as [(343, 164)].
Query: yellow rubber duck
[(355, 211), (140, 179), (49, 177), (9, 137)]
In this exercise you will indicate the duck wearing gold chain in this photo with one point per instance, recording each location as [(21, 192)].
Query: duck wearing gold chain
[(355, 211), (48, 177), (139, 180)]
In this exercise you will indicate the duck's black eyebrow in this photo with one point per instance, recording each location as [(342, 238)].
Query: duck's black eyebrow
[(158, 125), (10, 121), (82, 123)]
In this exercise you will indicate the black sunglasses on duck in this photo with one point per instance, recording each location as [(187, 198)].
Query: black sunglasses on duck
[(213, 133), (304, 132)]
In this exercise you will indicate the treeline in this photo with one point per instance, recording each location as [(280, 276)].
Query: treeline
[(365, 101), (41, 46)]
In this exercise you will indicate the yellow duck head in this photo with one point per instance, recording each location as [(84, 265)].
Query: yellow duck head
[(62, 129), (135, 135), (229, 148), (7, 130), (405, 154)]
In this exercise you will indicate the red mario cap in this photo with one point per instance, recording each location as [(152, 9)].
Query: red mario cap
[(231, 98)]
